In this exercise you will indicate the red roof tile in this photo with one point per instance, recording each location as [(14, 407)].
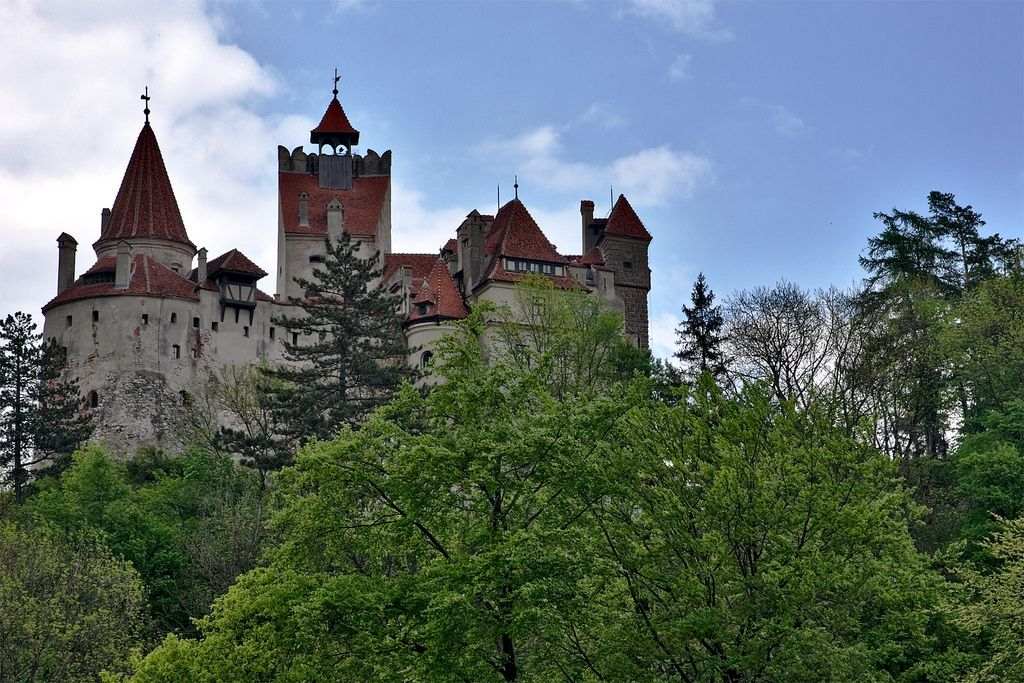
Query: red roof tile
[(335, 122), (439, 291), (145, 205), (362, 204), (514, 233), (148, 277), (234, 261), (420, 265), (451, 245), (624, 222)]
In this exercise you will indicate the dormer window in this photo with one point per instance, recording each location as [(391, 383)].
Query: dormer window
[(241, 293), (422, 309)]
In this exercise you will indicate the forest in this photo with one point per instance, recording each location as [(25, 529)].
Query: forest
[(821, 485)]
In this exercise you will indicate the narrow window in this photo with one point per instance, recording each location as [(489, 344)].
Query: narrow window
[(186, 399), (176, 351), (214, 326), (195, 323), (425, 358), (174, 318), (628, 265), (272, 332), (94, 399), (145, 318), (95, 316), (193, 352), (245, 331), (295, 338), (69, 321), (316, 258)]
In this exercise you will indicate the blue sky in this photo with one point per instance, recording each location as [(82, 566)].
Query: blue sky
[(754, 139)]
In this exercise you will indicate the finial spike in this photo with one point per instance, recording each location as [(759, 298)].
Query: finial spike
[(336, 79), (516, 186), (145, 96)]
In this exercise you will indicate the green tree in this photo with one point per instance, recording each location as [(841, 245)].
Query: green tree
[(71, 609), (699, 336), (345, 346), (60, 425)]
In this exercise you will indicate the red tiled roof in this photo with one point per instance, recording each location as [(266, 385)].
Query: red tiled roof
[(234, 261), (362, 204), (145, 205), (624, 222), (420, 264), (514, 233), (451, 245), (335, 122), (439, 290), (148, 277)]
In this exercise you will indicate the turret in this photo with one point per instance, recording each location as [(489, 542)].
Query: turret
[(66, 248), (335, 138)]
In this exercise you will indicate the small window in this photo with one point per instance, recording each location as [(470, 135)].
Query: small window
[(195, 323), (272, 332), (145, 318), (295, 338), (628, 265), (94, 399), (193, 352), (214, 326), (176, 351), (174, 318), (245, 331), (68, 320), (425, 359), (186, 398), (95, 316), (422, 308), (316, 258)]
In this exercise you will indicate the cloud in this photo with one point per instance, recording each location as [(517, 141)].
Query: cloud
[(600, 114), (695, 18), (680, 68), (70, 83), (649, 177), (783, 120), (663, 334)]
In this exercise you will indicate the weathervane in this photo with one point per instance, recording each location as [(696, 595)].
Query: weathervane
[(516, 186), (145, 96), (336, 79)]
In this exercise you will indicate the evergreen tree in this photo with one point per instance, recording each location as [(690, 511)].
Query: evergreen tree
[(345, 345), (699, 336), (41, 416)]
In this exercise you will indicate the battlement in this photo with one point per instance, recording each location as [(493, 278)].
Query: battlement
[(298, 161)]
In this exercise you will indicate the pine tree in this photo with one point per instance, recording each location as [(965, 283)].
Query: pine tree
[(41, 416), (346, 347), (699, 336)]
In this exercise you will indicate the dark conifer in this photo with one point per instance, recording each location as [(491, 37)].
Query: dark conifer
[(699, 336), (346, 347)]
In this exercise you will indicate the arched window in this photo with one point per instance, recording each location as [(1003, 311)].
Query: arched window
[(425, 359), (94, 399)]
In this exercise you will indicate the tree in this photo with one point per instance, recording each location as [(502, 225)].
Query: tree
[(71, 609), (345, 346), (699, 335), (42, 419)]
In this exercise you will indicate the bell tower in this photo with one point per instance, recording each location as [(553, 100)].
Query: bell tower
[(334, 138)]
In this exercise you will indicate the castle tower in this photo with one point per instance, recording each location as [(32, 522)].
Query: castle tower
[(327, 193), (145, 213)]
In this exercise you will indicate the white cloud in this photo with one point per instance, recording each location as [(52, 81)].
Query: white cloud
[(416, 228), (694, 18), (649, 177), (680, 70), (663, 334), (70, 83), (783, 120), (600, 114)]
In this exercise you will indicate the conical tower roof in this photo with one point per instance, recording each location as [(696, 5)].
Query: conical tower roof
[(145, 206)]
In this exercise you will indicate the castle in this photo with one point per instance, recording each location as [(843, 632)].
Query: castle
[(153, 319)]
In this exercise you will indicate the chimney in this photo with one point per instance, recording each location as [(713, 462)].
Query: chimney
[(66, 248), (406, 275), (122, 273), (335, 220), (471, 235), (587, 216), (303, 210), (201, 266), (104, 221)]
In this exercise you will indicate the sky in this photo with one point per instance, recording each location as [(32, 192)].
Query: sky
[(755, 140)]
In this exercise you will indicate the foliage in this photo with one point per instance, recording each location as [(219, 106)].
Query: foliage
[(41, 416), (699, 338), (188, 525), (70, 607), (348, 352)]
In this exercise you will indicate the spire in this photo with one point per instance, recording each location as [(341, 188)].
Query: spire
[(334, 128), (145, 206)]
